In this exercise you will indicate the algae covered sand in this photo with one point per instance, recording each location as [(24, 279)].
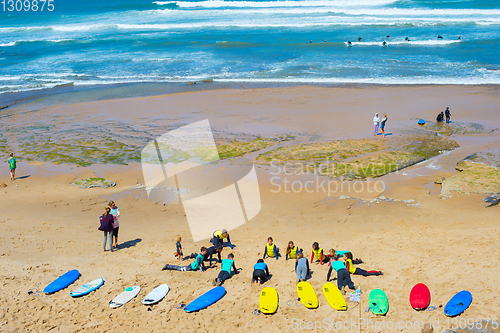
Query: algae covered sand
[(478, 173), (361, 159), (93, 182), (111, 142)]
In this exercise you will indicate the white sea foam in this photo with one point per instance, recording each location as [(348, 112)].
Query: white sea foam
[(264, 4), (8, 44)]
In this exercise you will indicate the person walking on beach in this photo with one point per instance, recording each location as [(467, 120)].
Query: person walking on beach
[(116, 225), (376, 122), (382, 125), (106, 220), (12, 166), (447, 113)]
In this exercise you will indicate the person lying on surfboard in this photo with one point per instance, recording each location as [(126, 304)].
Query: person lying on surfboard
[(356, 270), (271, 250), (343, 275), (225, 272), (317, 253), (292, 251), (198, 263), (260, 272)]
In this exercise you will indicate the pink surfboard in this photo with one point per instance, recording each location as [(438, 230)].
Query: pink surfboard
[(420, 297)]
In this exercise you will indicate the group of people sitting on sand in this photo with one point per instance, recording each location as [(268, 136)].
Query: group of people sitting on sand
[(340, 261)]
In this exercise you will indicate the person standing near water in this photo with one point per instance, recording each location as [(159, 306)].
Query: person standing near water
[(447, 113), (12, 166), (376, 122), (382, 125)]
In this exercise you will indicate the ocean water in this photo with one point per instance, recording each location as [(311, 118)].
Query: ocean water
[(110, 42)]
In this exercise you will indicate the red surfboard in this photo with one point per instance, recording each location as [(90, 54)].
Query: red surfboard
[(420, 297)]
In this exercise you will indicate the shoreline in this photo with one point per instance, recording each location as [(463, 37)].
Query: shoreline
[(156, 89)]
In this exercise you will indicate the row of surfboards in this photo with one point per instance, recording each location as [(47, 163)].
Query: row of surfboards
[(420, 296), (155, 296)]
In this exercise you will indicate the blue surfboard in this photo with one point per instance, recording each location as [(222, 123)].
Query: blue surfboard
[(421, 122), (458, 303), (207, 299), (62, 282)]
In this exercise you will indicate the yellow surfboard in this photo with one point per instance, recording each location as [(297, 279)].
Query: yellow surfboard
[(268, 300), (307, 295), (334, 296)]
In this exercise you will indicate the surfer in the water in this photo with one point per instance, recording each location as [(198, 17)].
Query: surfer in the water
[(349, 43), (384, 43), (198, 263), (356, 270), (440, 37), (225, 272), (260, 272), (387, 36), (359, 39), (271, 250), (407, 39)]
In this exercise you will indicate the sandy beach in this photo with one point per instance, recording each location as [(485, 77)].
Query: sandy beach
[(407, 227)]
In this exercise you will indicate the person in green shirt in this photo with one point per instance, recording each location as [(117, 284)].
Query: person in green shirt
[(225, 272), (12, 166), (343, 275), (197, 264)]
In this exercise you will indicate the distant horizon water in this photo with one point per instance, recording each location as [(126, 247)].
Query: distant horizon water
[(131, 41)]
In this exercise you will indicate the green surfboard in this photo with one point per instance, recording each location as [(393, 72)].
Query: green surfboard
[(378, 302)]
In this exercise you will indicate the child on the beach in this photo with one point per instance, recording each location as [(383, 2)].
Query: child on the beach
[(292, 251), (317, 253), (343, 275), (198, 263), (12, 166), (178, 249), (356, 270), (271, 250), (260, 272), (225, 272)]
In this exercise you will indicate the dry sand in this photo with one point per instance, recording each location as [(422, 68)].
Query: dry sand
[(49, 227)]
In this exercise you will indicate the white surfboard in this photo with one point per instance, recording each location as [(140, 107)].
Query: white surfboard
[(87, 288), (156, 295), (125, 297)]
